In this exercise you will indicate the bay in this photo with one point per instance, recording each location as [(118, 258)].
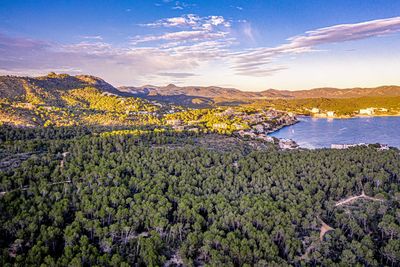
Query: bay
[(321, 132)]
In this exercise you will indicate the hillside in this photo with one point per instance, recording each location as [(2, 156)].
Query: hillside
[(45, 87), (195, 95), (382, 105), (391, 90), (64, 100)]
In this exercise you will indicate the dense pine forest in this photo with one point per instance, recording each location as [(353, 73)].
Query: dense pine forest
[(76, 197)]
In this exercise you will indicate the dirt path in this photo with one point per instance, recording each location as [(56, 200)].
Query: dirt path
[(351, 199), (322, 231)]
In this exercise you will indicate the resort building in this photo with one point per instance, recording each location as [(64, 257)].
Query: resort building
[(330, 114), (366, 111), (314, 110)]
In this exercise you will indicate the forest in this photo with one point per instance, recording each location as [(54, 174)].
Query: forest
[(74, 196)]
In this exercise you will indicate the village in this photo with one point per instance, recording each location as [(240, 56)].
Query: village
[(370, 111), (246, 124)]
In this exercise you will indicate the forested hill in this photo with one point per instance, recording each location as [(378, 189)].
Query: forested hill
[(22, 88), (381, 91), (213, 92), (62, 100)]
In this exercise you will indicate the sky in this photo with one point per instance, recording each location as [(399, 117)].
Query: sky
[(251, 45)]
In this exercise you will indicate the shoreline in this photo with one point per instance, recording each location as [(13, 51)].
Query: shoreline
[(282, 126), (305, 117)]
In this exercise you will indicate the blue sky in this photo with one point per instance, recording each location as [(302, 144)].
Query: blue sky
[(250, 45)]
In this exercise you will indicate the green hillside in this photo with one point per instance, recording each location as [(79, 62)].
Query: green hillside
[(64, 100)]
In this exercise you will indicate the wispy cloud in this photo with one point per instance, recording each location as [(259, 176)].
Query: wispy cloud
[(308, 41), (192, 28), (181, 36), (175, 5), (92, 37), (237, 7), (179, 75), (23, 43), (260, 72)]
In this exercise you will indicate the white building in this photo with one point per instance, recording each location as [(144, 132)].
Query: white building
[(314, 110), (367, 111), (330, 114)]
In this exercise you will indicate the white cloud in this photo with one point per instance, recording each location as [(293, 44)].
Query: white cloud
[(195, 29), (92, 37), (192, 21), (178, 75), (308, 41), (181, 36)]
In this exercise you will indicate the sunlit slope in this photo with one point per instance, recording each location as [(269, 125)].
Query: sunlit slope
[(60, 99)]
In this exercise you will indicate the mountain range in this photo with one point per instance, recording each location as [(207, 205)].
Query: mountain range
[(48, 89), (198, 95)]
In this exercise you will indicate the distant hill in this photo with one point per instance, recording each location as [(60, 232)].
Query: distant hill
[(391, 90), (195, 96), (213, 94)]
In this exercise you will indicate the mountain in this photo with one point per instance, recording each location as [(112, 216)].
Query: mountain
[(188, 95), (196, 96)]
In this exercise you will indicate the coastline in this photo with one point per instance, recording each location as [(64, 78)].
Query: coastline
[(362, 129), (327, 118), (281, 126)]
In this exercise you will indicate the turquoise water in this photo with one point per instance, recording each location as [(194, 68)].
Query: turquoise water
[(319, 133)]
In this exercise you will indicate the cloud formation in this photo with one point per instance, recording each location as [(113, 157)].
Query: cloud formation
[(92, 37), (191, 29), (175, 5), (308, 41), (182, 36), (191, 21), (178, 75), (186, 43)]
